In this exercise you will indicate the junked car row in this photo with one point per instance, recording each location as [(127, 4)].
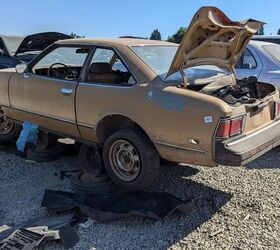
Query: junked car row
[(144, 100)]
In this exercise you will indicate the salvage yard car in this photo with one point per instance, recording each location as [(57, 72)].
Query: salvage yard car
[(260, 59), (17, 49), (145, 100)]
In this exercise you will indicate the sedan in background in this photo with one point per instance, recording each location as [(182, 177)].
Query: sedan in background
[(270, 39), (260, 59)]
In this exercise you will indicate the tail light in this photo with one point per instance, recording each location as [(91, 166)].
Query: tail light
[(277, 108), (230, 127)]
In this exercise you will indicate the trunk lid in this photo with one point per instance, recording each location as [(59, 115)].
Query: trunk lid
[(213, 39)]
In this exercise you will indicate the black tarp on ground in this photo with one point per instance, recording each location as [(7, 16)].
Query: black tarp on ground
[(155, 206)]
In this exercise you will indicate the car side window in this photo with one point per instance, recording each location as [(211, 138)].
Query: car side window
[(246, 61), (62, 63), (107, 68)]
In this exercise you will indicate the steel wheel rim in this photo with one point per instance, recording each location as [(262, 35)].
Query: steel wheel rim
[(124, 160), (5, 126)]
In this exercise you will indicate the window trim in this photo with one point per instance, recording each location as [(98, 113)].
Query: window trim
[(125, 85), (242, 59), (52, 48)]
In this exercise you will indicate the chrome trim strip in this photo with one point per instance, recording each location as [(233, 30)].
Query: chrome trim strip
[(107, 85), (253, 134), (75, 82), (86, 125), (180, 147)]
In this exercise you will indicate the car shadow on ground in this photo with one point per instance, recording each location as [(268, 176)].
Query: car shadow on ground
[(10, 148), (270, 160), (207, 200)]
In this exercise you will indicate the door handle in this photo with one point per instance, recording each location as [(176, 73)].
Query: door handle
[(66, 91)]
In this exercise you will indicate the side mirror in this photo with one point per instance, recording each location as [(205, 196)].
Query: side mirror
[(20, 68), (1, 52)]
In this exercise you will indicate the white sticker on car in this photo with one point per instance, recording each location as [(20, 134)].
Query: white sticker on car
[(208, 119)]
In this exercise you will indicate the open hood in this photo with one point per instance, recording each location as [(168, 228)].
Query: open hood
[(40, 41), (213, 39)]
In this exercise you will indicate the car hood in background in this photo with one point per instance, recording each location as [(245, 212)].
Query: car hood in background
[(213, 39), (40, 41)]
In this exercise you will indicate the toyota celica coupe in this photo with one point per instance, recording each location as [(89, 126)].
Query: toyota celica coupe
[(143, 101)]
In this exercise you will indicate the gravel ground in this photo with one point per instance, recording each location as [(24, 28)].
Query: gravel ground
[(236, 208)]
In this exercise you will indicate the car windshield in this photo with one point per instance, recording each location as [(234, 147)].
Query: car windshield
[(160, 57), (273, 50)]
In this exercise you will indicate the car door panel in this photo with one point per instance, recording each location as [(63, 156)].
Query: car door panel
[(41, 100)]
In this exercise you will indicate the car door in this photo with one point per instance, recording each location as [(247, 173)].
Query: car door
[(45, 93), (106, 83), (249, 64)]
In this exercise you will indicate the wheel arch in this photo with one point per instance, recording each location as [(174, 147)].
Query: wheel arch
[(110, 123)]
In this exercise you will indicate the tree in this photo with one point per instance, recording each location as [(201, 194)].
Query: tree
[(260, 31), (178, 36), (73, 35), (155, 35), (278, 32)]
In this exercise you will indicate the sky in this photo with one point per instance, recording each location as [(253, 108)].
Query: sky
[(113, 18)]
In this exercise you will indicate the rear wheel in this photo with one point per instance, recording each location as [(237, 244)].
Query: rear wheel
[(130, 159), (8, 130)]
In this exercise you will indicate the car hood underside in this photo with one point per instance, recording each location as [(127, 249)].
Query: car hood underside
[(40, 41), (213, 39)]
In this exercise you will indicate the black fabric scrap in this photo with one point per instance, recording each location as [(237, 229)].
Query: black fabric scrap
[(68, 236), (155, 206)]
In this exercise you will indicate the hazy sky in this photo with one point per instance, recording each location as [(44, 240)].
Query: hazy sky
[(112, 18)]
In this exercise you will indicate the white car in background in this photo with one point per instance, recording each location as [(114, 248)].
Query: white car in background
[(260, 59)]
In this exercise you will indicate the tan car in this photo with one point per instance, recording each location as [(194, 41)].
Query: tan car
[(148, 100)]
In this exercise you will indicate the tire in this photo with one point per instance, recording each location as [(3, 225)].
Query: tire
[(167, 163), (39, 155), (8, 130), (91, 160), (69, 149), (134, 147), (46, 140), (97, 186)]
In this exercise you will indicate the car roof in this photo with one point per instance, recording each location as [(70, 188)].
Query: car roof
[(260, 43), (115, 41), (261, 37)]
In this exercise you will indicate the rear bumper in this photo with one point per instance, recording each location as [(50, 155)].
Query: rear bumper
[(241, 150)]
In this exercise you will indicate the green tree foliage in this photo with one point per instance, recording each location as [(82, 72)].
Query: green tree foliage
[(155, 35), (73, 35), (178, 36), (260, 31)]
